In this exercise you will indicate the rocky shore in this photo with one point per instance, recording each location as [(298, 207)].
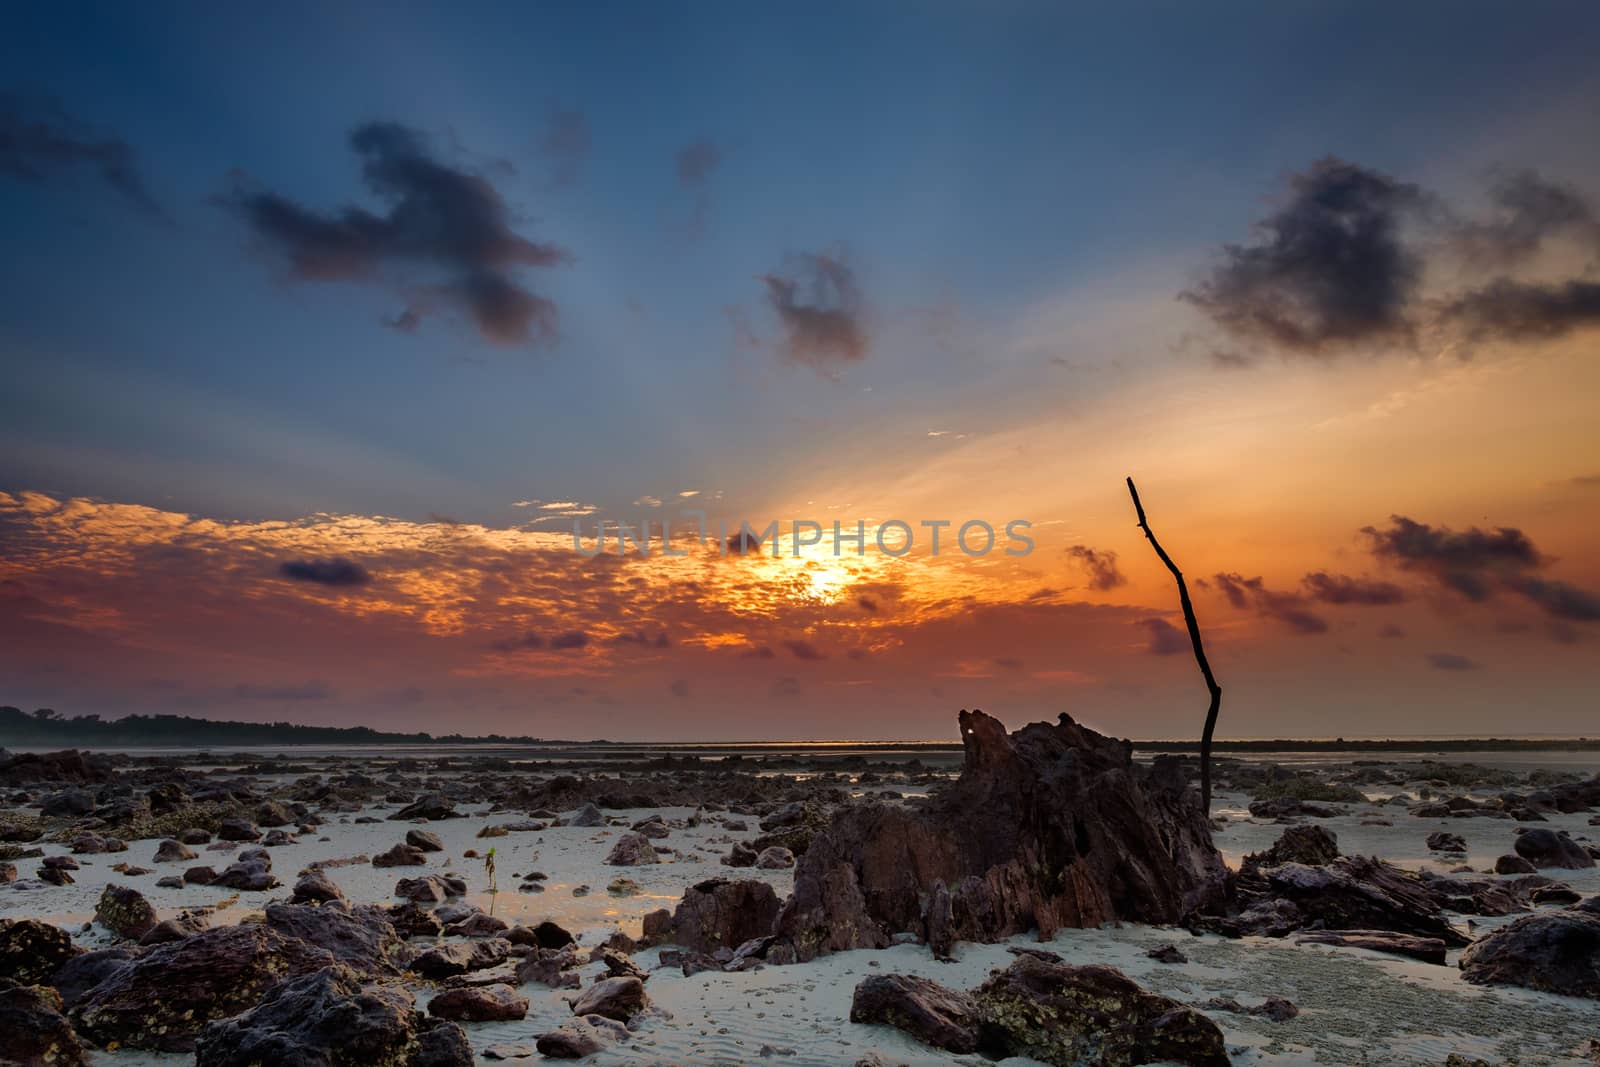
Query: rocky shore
[(1049, 900)]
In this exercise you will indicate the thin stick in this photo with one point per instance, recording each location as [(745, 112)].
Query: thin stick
[(1199, 650)]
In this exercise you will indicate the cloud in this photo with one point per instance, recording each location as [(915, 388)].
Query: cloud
[(1287, 608), (1449, 661), (759, 652), (1528, 211), (522, 642), (1342, 589), (1507, 310), (786, 686), (438, 217), (1100, 566), (571, 639), (697, 160), (1165, 639), (679, 688), (1328, 270), (1479, 563), (820, 308), (566, 145), (1391, 632), (805, 650), (39, 139), (336, 571)]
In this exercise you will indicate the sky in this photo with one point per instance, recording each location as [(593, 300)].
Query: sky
[(323, 328)]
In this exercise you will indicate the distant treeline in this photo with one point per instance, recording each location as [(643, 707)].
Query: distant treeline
[(45, 727)]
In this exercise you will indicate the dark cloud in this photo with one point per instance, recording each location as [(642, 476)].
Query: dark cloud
[(697, 160), (1287, 608), (569, 640), (522, 642), (39, 140), (1449, 661), (1008, 663), (1507, 310), (820, 306), (1165, 639), (786, 686), (337, 571), (804, 650), (438, 216), (1528, 211), (1479, 563), (743, 543), (1101, 567), (566, 145), (1329, 269), (867, 604), (315, 690), (1465, 561), (1342, 589), (759, 652)]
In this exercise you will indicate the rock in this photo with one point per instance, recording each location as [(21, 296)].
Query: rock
[(478, 924), (361, 938), (1049, 827), (552, 935), (125, 912), (550, 968), (1351, 893), (588, 815), (1555, 894), (926, 1010), (321, 1018), (82, 973), (620, 963), (721, 913), (1168, 954), (171, 851), (271, 814), (430, 806), (411, 920), (459, 957), (1426, 949), (162, 999), (425, 890), (200, 875), (166, 931), (741, 855), (580, 1037), (71, 803), (1548, 848), (426, 841), (632, 850), (495, 1003), (31, 951), (1553, 951), (1446, 842), (194, 836), (1511, 864), (36, 1031), (775, 858), (315, 887), (624, 887), (238, 830), (400, 856), (1311, 845), (8, 873), (619, 998), (1275, 1008), (441, 1043), (55, 875), (252, 875), (1065, 1015)]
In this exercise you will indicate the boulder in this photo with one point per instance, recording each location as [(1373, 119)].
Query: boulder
[(125, 912), (459, 957), (722, 913), (426, 890), (31, 951), (1066, 1016), (423, 839), (36, 1031), (1298, 844), (253, 875), (1512, 864), (1440, 841), (632, 850), (1553, 951), (171, 851), (162, 999), (775, 858), (361, 938), (741, 855), (400, 856), (430, 806), (82, 973), (1351, 893), (1426, 949), (587, 815), (238, 830), (1548, 848), (321, 1018), (479, 1004), (1049, 827), (441, 1043), (619, 998), (315, 887), (580, 1037), (70, 803), (924, 1009)]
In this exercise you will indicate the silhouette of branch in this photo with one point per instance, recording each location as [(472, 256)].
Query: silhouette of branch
[(1199, 649)]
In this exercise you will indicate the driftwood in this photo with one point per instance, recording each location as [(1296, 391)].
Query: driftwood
[(1199, 650)]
